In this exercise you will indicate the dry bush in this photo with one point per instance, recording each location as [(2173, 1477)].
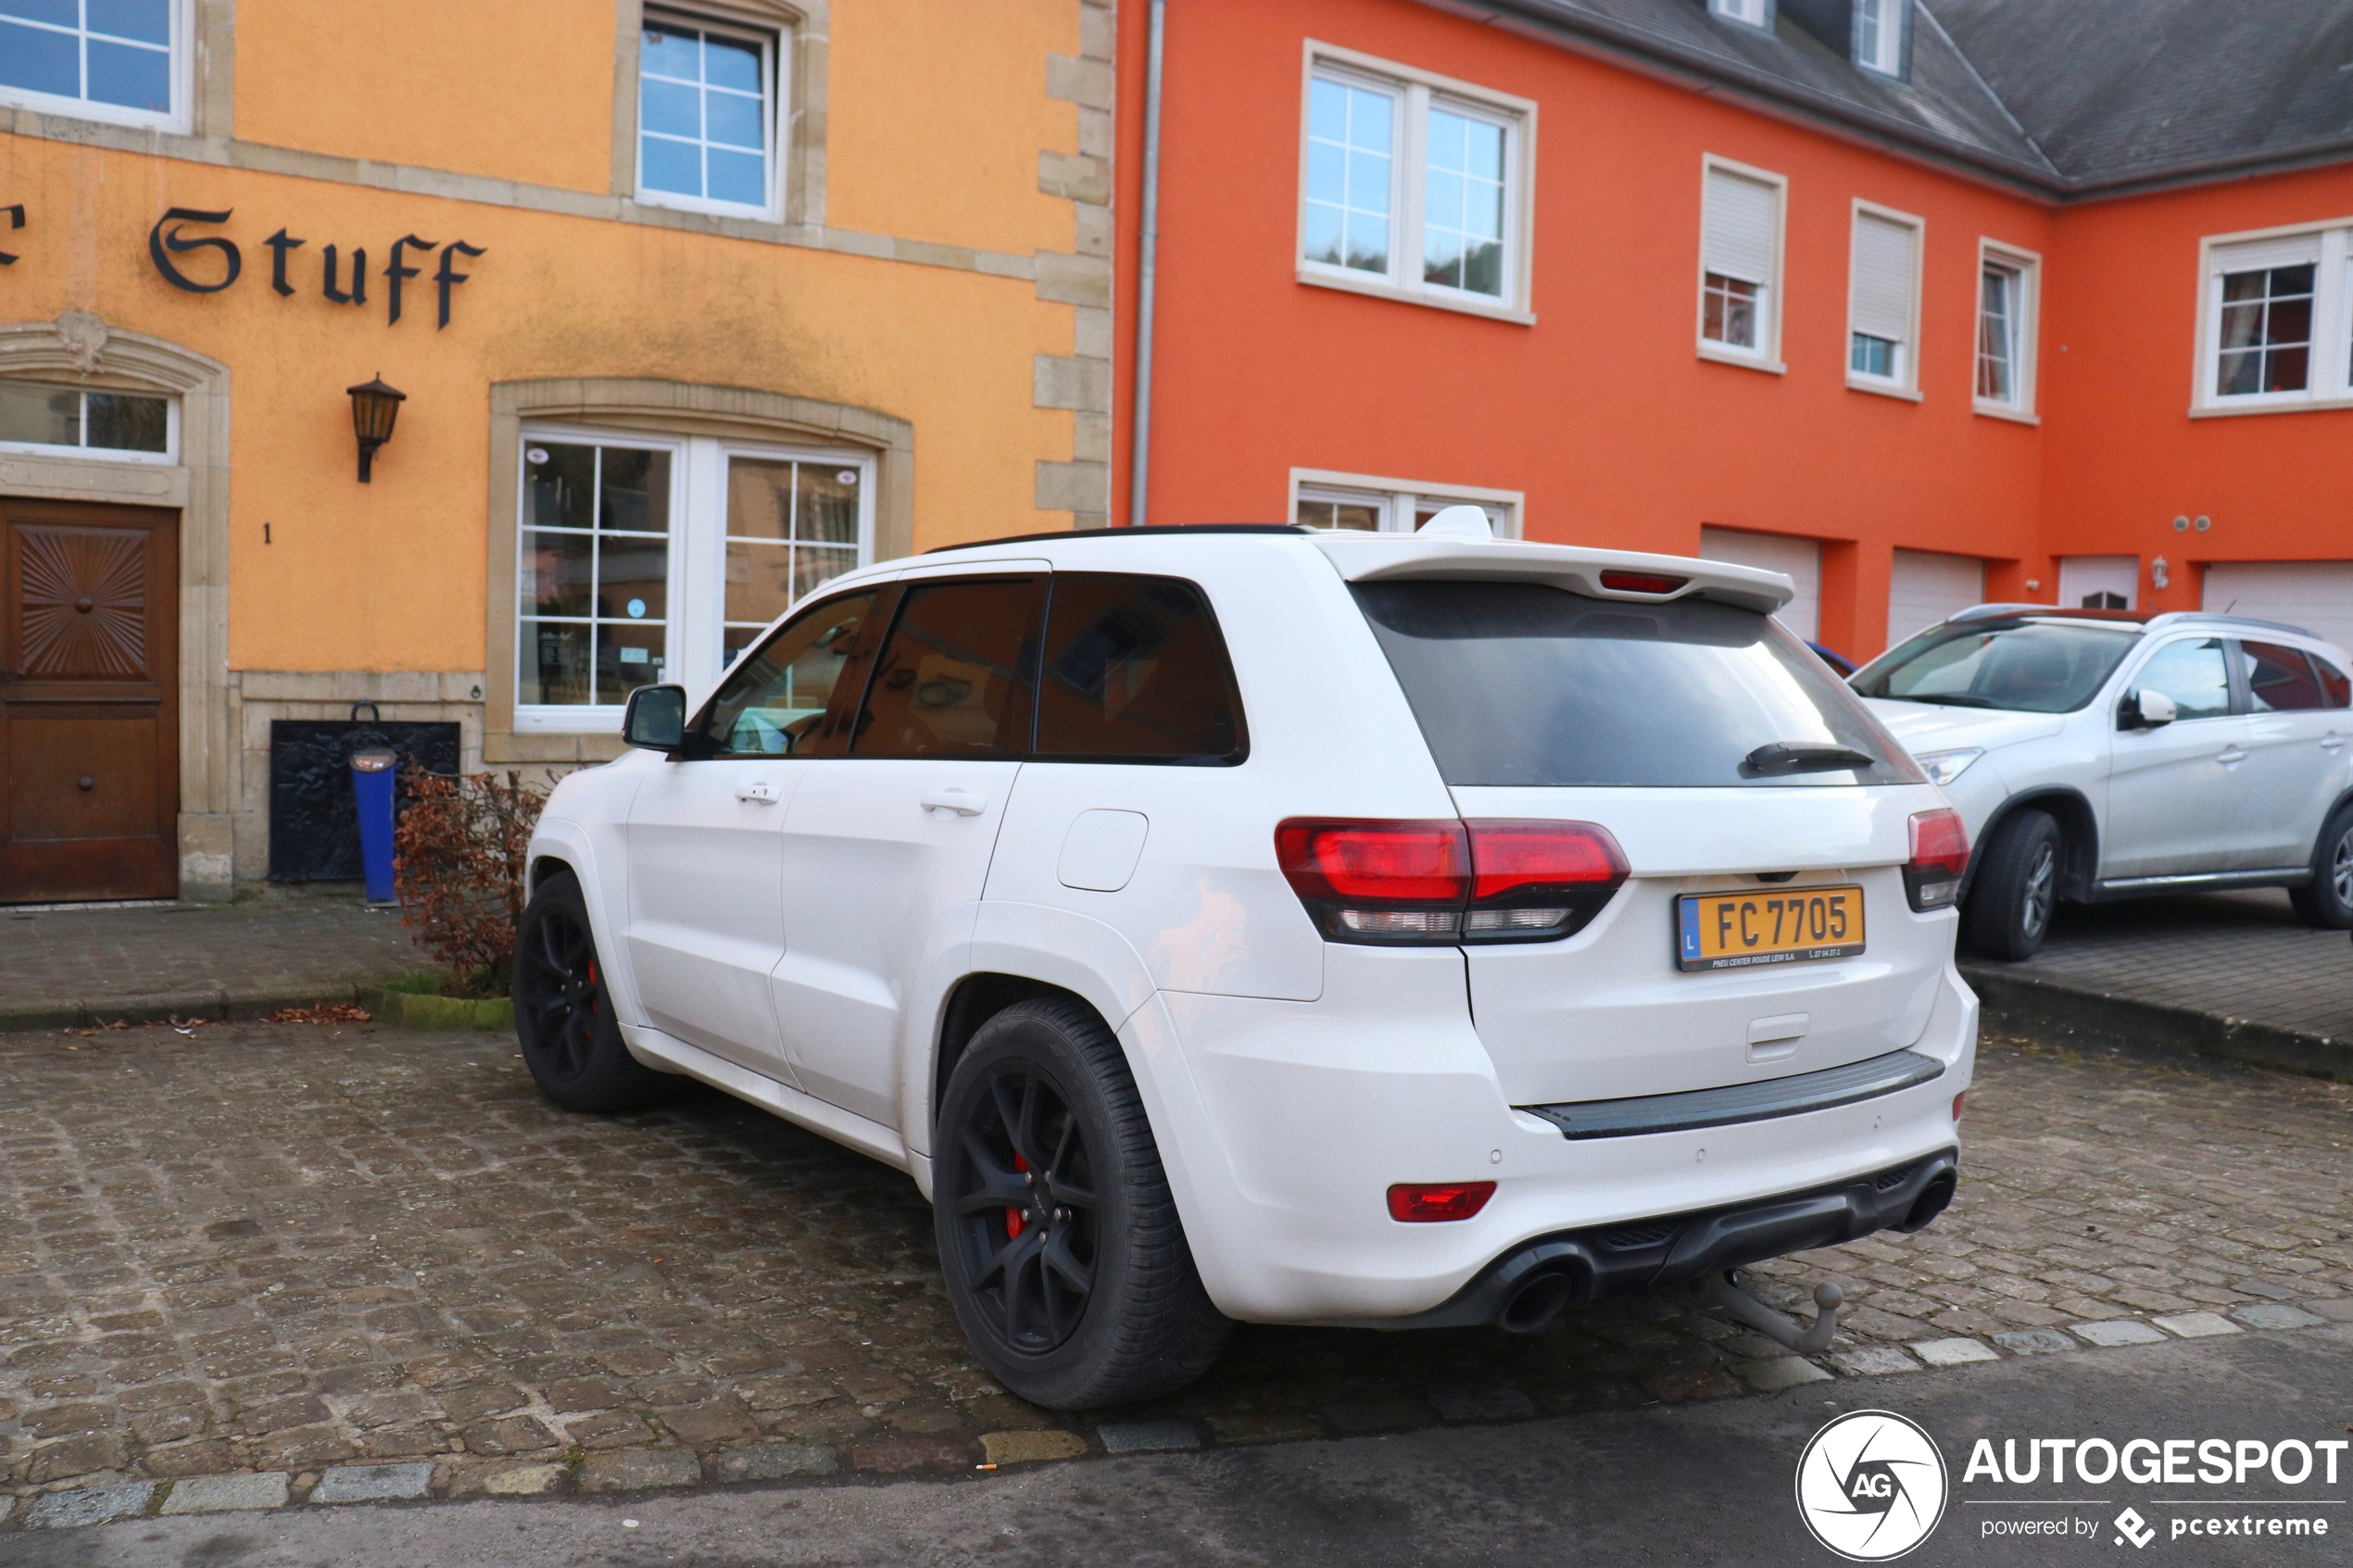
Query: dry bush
[(459, 858)]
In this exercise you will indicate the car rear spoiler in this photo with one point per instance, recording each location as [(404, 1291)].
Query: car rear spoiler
[(1601, 574)]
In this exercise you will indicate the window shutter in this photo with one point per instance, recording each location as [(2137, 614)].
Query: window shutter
[(1880, 303), (2287, 250), (1737, 228)]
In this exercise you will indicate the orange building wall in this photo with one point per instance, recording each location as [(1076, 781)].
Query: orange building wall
[(1601, 412), (2125, 457), (518, 90)]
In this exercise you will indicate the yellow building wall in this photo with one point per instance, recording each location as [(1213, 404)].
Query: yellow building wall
[(929, 142), (513, 89), (939, 112)]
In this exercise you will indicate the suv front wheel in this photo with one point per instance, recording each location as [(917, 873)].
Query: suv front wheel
[(2327, 900), (1058, 1238), (2017, 888)]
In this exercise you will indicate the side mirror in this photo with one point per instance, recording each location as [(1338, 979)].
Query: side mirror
[(655, 718), (2145, 710)]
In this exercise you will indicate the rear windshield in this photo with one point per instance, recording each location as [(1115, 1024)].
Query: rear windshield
[(1521, 683), (2025, 666)]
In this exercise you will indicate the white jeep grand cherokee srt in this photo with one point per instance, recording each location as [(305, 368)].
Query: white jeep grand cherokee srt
[(1243, 922)]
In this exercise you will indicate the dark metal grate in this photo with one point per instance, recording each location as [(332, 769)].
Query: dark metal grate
[(1890, 1180), (1634, 1237)]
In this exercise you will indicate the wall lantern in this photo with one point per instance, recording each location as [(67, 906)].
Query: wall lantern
[(374, 408)]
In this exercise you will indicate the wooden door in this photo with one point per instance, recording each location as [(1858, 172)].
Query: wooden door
[(89, 702)]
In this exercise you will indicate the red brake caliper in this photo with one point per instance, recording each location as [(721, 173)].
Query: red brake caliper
[(1013, 1222)]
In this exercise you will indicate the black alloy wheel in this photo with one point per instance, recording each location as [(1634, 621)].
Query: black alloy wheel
[(1060, 1243), (2016, 890), (563, 1012), (2327, 900), (1025, 1207)]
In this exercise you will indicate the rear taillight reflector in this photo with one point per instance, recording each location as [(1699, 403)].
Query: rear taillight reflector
[(1958, 1101), (1441, 882), (1641, 582), (1939, 856), (1421, 1202)]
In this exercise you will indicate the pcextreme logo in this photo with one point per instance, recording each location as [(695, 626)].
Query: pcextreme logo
[(1871, 1485)]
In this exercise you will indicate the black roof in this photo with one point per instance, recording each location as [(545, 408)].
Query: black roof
[(2067, 98)]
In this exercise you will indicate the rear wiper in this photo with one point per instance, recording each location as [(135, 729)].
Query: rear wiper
[(1805, 756), (1950, 699)]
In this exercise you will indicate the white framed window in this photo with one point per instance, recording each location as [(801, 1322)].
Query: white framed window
[(2273, 331), (709, 110), (1739, 266), (2009, 301), (1367, 504), (1413, 186), (1882, 302), (1879, 34), (64, 421), (1753, 13), (125, 61), (643, 558)]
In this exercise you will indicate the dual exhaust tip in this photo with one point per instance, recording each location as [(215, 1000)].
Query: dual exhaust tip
[(1558, 1277)]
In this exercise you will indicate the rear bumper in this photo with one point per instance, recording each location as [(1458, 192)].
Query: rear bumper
[(1522, 1289), (1283, 1124)]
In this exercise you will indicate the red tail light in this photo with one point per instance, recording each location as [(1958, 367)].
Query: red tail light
[(1641, 582), (1940, 855), (1444, 881), (1419, 1202)]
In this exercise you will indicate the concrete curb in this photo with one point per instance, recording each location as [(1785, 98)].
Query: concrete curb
[(2021, 1004), (400, 1010), (216, 1005), (410, 1009), (549, 1474)]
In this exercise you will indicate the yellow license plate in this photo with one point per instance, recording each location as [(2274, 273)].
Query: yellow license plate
[(1767, 926)]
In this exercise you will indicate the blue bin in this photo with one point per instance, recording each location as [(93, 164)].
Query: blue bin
[(373, 775)]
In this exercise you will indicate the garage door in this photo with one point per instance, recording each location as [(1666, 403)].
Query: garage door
[(1802, 558), (2099, 581), (2315, 594), (1926, 587)]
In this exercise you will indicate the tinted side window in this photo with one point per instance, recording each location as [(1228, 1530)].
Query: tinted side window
[(772, 702), (2193, 674), (2280, 680), (1136, 671), (958, 672), (2333, 683)]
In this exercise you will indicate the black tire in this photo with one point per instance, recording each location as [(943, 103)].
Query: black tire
[(2011, 902), (2327, 900), (1059, 1240), (563, 1015)]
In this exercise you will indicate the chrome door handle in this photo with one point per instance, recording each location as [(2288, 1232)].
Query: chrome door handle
[(762, 794), (2332, 743), (2230, 757), (963, 802)]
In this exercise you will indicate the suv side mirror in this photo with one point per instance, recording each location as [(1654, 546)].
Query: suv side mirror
[(2145, 710), (655, 718)]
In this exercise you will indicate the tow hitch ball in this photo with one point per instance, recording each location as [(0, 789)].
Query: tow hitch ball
[(1725, 1290)]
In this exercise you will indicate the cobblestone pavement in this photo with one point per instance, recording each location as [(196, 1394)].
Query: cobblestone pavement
[(2236, 955), (161, 960), (242, 1259)]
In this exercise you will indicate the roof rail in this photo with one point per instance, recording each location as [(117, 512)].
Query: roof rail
[(1162, 528), (1987, 612), (2175, 617)]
